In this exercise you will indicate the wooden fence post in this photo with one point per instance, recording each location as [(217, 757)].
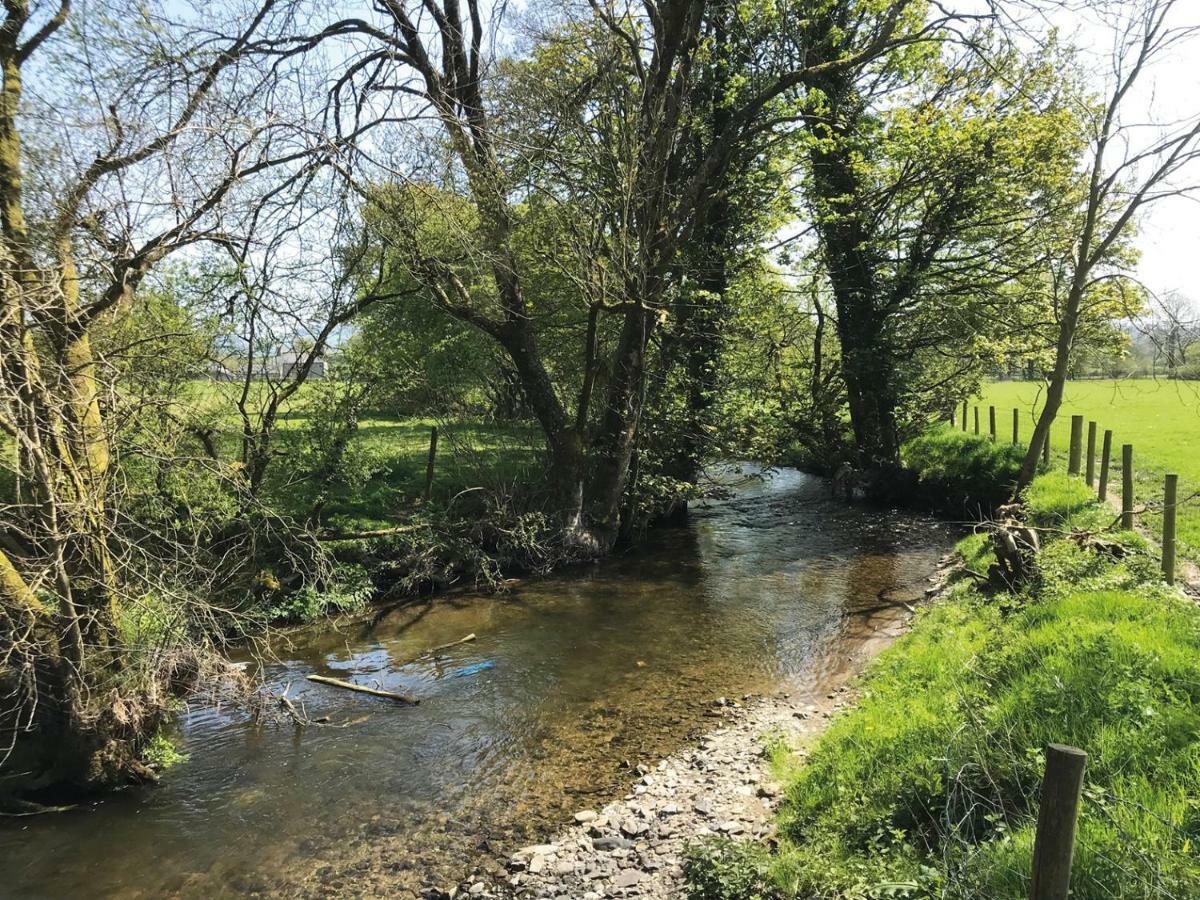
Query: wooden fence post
[(977, 420), (964, 417), (1076, 445), (1105, 455), (429, 465), (1091, 455), (1016, 426), (1127, 487), (1054, 843), (992, 422), (1170, 493)]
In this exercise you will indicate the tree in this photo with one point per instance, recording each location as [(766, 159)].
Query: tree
[(931, 182), (181, 142), (1129, 168), (648, 171)]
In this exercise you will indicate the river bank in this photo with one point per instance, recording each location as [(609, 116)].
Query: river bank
[(930, 785)]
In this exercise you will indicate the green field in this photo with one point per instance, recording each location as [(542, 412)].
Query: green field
[(1160, 418)]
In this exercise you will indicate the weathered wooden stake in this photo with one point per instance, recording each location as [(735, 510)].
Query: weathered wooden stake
[(1091, 455), (1127, 487), (1016, 426), (429, 465), (1170, 493), (1076, 445), (992, 422), (1105, 455), (977, 420), (964, 416), (1054, 844)]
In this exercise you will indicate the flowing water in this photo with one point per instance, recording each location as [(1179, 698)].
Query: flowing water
[(571, 681)]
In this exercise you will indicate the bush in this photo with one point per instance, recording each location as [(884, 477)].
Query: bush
[(721, 869), (962, 473), (347, 590)]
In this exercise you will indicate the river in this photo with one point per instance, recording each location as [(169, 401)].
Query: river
[(571, 682)]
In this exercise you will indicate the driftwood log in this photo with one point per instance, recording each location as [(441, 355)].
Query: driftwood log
[(433, 650), (363, 689)]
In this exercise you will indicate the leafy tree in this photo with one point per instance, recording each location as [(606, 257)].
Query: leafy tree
[(930, 183)]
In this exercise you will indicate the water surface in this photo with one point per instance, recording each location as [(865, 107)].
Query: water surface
[(572, 680)]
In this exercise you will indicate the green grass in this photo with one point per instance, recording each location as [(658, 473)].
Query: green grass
[(470, 454), (963, 474), (1160, 418), (394, 448), (929, 785)]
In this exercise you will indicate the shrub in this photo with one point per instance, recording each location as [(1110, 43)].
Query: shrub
[(349, 589), (961, 473), (721, 869)]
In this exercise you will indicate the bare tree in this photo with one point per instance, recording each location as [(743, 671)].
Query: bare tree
[(1130, 167), (140, 136)]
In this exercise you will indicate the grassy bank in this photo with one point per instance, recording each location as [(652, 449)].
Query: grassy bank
[(1160, 418), (929, 787)]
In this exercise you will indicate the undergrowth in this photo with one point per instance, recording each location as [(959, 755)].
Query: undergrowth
[(929, 786)]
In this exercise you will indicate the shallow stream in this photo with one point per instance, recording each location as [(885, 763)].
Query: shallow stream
[(571, 682)]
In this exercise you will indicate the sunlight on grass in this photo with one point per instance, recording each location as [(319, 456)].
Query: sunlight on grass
[(1160, 418)]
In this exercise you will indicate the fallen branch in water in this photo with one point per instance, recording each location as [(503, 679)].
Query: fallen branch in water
[(433, 650), (362, 689), (19, 808)]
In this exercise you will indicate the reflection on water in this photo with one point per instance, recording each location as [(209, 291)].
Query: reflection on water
[(572, 679)]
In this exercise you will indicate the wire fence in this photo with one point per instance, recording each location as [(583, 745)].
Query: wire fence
[(1163, 504)]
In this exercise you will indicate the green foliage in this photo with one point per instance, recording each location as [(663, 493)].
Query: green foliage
[(348, 589), (930, 785), (160, 753), (721, 869), (963, 472)]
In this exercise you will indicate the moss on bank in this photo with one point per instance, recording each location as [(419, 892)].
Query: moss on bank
[(929, 787)]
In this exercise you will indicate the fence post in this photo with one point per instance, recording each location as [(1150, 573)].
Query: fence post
[(964, 421), (977, 420), (1105, 454), (1076, 445), (1091, 455), (1127, 487), (1016, 426), (992, 422), (429, 465), (1170, 492), (1054, 843)]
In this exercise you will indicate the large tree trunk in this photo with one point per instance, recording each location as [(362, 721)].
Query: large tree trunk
[(852, 265), (612, 448)]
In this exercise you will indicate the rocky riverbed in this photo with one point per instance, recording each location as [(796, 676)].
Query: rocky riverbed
[(722, 785)]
